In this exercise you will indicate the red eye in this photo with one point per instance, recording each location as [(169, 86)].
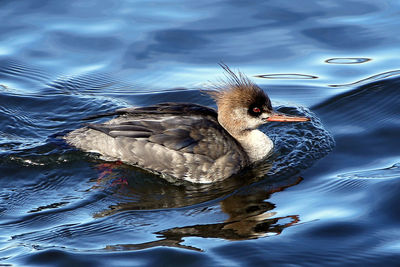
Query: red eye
[(256, 110)]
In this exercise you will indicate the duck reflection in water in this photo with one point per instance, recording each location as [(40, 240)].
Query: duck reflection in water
[(250, 216)]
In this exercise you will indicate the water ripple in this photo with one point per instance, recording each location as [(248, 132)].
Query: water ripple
[(347, 60), (287, 76), (392, 172), (93, 84), (369, 79), (11, 67)]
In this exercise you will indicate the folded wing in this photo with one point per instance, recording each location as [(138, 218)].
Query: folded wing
[(184, 141)]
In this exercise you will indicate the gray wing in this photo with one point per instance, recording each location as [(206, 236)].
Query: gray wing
[(194, 134), (194, 148), (169, 108)]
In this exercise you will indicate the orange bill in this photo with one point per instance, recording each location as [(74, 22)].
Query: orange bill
[(286, 118)]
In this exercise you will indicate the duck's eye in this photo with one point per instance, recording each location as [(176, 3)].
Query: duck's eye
[(256, 110)]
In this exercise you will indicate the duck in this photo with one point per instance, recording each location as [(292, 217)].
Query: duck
[(188, 141)]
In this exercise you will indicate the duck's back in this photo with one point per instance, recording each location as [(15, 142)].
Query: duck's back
[(184, 141)]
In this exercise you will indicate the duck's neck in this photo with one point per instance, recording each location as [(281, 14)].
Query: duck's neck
[(256, 144)]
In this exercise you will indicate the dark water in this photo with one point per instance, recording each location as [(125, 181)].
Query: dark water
[(316, 202)]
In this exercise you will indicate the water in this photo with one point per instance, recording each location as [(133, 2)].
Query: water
[(318, 201)]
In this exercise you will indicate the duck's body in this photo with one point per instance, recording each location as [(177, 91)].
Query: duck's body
[(188, 141), (176, 139)]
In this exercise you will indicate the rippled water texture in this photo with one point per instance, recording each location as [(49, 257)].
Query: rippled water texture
[(328, 195)]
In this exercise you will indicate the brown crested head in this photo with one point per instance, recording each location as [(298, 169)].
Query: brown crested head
[(242, 105), (236, 90)]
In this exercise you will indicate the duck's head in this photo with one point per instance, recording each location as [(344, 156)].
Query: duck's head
[(243, 106)]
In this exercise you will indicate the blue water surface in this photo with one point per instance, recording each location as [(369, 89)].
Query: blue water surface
[(328, 196)]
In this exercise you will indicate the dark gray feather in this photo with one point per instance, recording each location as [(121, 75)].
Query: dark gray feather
[(182, 140), (163, 109)]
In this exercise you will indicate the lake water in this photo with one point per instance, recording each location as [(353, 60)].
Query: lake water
[(329, 195)]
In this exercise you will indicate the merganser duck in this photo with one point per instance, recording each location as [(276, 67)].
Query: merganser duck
[(186, 141)]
